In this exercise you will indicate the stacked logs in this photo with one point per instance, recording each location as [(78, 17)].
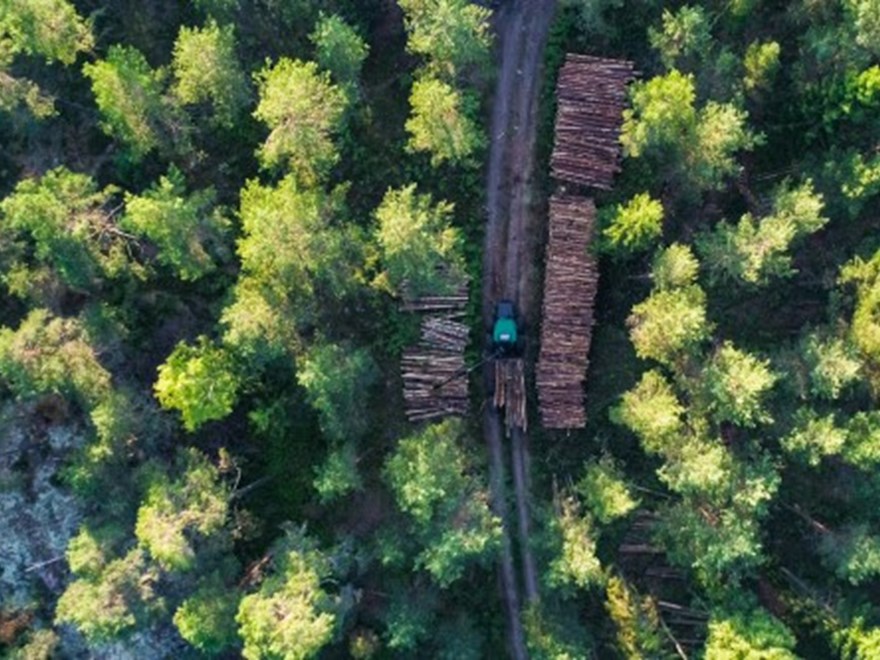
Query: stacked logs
[(434, 380), (591, 94), (510, 392), (571, 281)]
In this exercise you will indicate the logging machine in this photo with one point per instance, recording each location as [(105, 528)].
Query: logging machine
[(504, 330), (505, 340)]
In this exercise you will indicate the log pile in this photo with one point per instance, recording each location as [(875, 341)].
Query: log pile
[(571, 281), (434, 380), (510, 392), (591, 94)]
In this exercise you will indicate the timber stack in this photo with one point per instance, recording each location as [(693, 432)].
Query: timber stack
[(571, 280), (591, 94), (434, 379), (510, 392)]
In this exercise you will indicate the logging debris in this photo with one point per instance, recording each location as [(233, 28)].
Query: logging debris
[(571, 280), (591, 94)]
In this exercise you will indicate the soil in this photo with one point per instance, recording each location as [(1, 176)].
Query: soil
[(509, 270)]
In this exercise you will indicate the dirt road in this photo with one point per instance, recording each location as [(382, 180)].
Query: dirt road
[(508, 264)]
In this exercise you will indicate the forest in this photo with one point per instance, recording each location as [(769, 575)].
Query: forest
[(221, 225)]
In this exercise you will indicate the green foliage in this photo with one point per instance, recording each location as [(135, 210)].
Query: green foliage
[(174, 511), (338, 475), (550, 639), (89, 551), (662, 114), (182, 227), (675, 267), (651, 410), (52, 355), (857, 641), (853, 554), (200, 381), (669, 324), (442, 124), (736, 384), (576, 564), (207, 618), (408, 622), (761, 63), (206, 70), (665, 125), (130, 97), (755, 251), (453, 35), (814, 437), (420, 248), (685, 36), (751, 634), (865, 15), (833, 365), (105, 606), (49, 28), (339, 49), (432, 479), (290, 616), (862, 447), (303, 111), (635, 618), (636, 224), (337, 379), (62, 215), (604, 491)]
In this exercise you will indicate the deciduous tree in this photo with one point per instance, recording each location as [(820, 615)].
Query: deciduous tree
[(200, 381)]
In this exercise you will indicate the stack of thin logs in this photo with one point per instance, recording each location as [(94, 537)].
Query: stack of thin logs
[(434, 380), (510, 392), (571, 281), (591, 94), (452, 304)]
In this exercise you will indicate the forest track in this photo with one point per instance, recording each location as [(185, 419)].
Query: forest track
[(509, 269)]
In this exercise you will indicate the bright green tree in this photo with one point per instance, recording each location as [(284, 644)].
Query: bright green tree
[(576, 563), (303, 111), (604, 491), (50, 29), (736, 384), (453, 35), (206, 70), (748, 634), (206, 619), (833, 365), (433, 482), (755, 251), (338, 475), (176, 511), (420, 248), (200, 381), (636, 224), (636, 620), (47, 354), (852, 553), (134, 108), (651, 410), (814, 437), (104, 606), (339, 49), (675, 267), (669, 324), (291, 615), (183, 227), (62, 217), (441, 123), (684, 37), (662, 114), (761, 63)]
